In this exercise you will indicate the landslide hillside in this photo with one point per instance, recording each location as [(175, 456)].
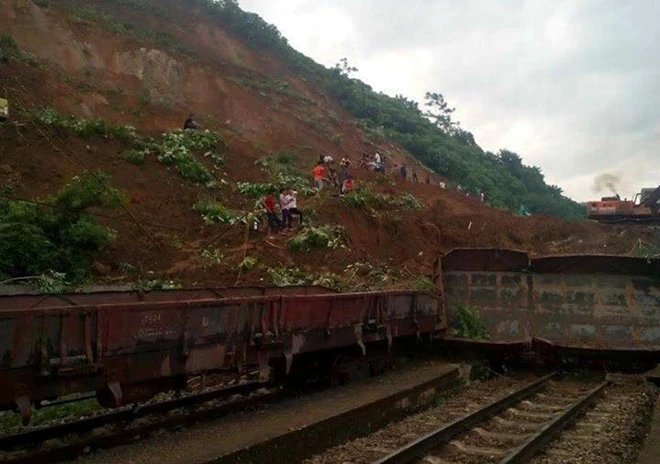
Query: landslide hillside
[(98, 90)]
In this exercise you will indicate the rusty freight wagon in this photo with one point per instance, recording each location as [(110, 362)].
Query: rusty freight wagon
[(127, 346)]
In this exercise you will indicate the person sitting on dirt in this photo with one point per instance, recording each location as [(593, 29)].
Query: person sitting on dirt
[(404, 171), (190, 123), (348, 185), (274, 222), (414, 176), (318, 172), (292, 203)]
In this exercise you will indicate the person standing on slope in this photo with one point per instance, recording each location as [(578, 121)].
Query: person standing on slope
[(274, 222), (284, 206), (292, 203), (318, 172), (404, 172)]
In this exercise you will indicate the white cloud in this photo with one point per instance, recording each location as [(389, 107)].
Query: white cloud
[(570, 85)]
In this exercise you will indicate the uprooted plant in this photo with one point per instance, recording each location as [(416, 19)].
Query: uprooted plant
[(290, 276), (313, 237), (282, 174)]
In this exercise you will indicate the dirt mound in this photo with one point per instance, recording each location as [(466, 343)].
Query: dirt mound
[(260, 109)]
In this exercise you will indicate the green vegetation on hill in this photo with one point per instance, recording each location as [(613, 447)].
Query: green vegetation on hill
[(59, 235)]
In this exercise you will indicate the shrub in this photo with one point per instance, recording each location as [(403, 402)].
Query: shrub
[(467, 323), (282, 174), (214, 256), (213, 212), (364, 196), (36, 239), (136, 157), (84, 127), (9, 50), (318, 237), (408, 201), (176, 150), (247, 264)]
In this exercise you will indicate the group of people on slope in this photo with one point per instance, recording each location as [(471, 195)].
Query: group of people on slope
[(375, 163), (325, 170), (288, 204)]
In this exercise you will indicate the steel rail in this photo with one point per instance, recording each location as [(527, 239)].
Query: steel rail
[(38, 435), (423, 445), (541, 438)]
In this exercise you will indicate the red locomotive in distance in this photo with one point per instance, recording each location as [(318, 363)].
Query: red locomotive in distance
[(644, 207)]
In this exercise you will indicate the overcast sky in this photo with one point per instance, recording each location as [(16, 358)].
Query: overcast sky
[(572, 86)]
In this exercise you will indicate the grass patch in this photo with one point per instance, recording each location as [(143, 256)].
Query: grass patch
[(11, 422)]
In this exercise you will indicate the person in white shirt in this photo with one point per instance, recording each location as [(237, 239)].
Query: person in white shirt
[(284, 206), (377, 158), (291, 200)]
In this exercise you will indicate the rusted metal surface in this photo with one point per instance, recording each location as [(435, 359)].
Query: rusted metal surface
[(595, 264), (130, 350), (484, 259), (614, 301), (152, 296)]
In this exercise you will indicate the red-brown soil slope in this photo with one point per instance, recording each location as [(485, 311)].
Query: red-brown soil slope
[(261, 108)]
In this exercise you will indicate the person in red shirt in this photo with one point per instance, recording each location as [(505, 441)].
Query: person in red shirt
[(347, 185), (319, 173), (274, 222)]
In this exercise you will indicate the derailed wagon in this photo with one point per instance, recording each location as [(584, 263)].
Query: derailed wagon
[(129, 346)]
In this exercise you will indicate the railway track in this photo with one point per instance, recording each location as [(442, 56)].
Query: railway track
[(68, 440), (510, 429)]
